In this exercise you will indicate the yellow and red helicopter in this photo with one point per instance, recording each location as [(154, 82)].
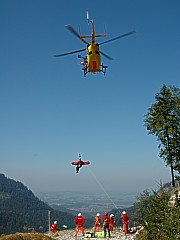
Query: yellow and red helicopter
[(92, 61)]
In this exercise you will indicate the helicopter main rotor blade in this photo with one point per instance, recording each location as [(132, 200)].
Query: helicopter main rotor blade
[(105, 55), (71, 29), (64, 54), (121, 36)]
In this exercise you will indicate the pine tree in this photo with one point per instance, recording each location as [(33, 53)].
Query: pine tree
[(163, 121), (160, 220)]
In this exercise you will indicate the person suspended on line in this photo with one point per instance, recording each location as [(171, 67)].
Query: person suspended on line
[(79, 163)]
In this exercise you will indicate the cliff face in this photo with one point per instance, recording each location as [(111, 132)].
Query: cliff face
[(175, 194)]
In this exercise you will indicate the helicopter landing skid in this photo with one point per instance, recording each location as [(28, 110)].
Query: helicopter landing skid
[(103, 69)]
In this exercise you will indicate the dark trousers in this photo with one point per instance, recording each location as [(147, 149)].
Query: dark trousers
[(106, 229)]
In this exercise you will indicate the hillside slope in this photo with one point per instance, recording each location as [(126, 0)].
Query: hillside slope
[(21, 210)]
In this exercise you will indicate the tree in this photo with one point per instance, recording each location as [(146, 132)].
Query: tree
[(141, 207), (159, 219), (163, 121)]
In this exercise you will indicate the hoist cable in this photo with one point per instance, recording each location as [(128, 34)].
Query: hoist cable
[(101, 186)]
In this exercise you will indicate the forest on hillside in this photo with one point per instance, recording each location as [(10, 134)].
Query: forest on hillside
[(22, 211)]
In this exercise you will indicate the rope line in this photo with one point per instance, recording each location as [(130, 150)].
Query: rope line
[(101, 186)]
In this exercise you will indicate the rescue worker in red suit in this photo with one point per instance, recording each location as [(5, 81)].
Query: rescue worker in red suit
[(97, 222), (105, 220), (84, 67), (53, 227), (125, 221), (111, 222), (79, 163), (79, 221)]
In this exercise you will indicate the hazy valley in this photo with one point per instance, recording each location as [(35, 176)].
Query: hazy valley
[(89, 203)]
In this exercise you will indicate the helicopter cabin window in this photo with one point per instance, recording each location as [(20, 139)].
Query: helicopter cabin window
[(97, 52), (90, 52)]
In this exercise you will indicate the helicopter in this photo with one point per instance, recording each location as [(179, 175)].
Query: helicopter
[(92, 61)]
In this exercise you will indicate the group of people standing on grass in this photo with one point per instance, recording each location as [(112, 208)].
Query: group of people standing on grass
[(107, 221)]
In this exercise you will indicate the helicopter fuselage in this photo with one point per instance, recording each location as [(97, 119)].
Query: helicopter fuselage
[(93, 58), (92, 62)]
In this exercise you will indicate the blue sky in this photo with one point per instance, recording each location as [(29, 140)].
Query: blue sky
[(50, 112)]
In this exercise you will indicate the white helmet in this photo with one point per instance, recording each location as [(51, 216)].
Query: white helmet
[(98, 214), (55, 222), (112, 215), (123, 212), (79, 214)]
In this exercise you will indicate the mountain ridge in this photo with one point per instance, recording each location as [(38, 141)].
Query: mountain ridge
[(20, 209)]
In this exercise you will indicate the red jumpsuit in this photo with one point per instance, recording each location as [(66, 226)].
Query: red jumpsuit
[(105, 220), (79, 221), (111, 224), (53, 227), (125, 221), (97, 221)]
